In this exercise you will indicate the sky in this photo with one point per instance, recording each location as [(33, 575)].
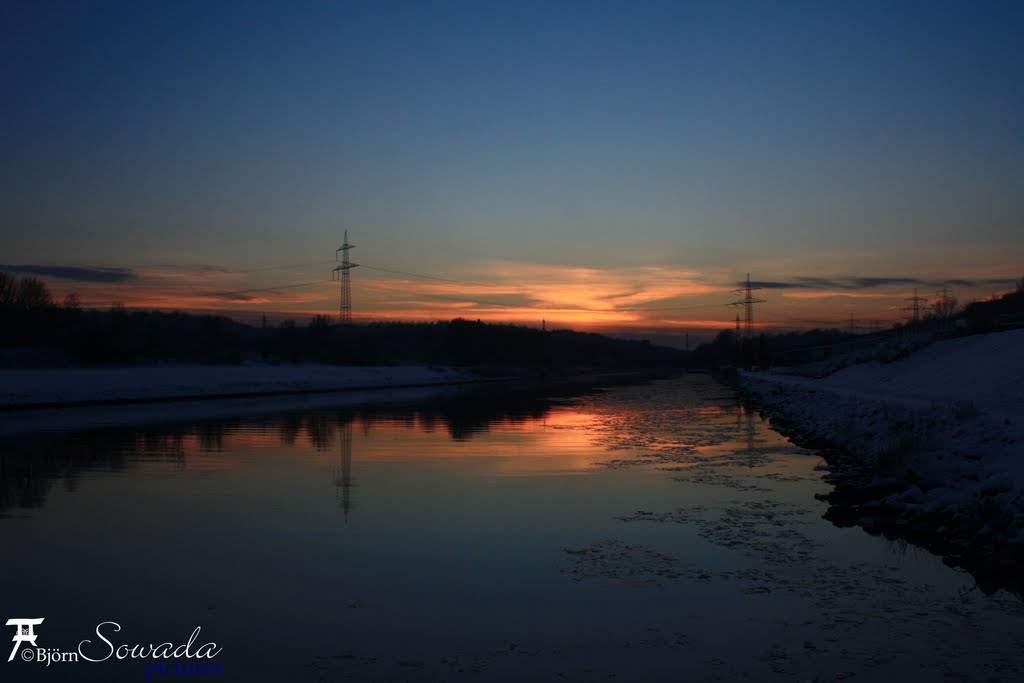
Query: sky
[(617, 166)]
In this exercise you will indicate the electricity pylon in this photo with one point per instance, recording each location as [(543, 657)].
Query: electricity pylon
[(915, 306), (747, 302), (341, 273)]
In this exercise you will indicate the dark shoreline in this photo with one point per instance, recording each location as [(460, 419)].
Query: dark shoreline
[(22, 407), (858, 499), (38, 418), (523, 378)]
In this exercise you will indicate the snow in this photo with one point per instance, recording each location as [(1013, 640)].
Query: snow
[(951, 415), (52, 387), (984, 369)]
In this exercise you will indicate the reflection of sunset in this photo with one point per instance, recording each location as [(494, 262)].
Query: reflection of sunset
[(559, 442), (562, 441)]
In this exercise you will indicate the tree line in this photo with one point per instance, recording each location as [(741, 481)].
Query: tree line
[(763, 350), (39, 331)]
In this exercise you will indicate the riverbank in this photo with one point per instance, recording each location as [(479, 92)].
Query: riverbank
[(24, 389), (48, 400), (930, 447)]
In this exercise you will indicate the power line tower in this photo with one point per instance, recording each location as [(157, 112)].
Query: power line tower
[(747, 302), (342, 274), (915, 307), (946, 304)]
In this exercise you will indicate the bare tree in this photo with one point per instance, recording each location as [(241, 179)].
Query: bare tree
[(32, 293), (8, 289), (945, 306)]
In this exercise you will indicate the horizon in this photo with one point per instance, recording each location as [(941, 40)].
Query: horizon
[(101, 289), (608, 168)]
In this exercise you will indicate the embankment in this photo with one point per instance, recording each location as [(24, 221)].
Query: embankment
[(929, 448), (68, 387)]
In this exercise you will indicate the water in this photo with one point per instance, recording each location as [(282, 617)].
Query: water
[(650, 532)]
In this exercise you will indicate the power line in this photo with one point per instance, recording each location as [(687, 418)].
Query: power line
[(501, 304), (430, 277), (496, 304), (505, 304), (271, 289), (228, 271), (424, 276), (260, 269)]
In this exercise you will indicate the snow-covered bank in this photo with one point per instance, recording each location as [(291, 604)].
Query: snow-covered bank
[(38, 388), (50, 420), (939, 436)]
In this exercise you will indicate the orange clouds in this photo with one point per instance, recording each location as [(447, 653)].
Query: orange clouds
[(639, 300), (168, 287), (526, 292)]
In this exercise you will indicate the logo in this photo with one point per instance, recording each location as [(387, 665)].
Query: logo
[(191, 657), (25, 633)]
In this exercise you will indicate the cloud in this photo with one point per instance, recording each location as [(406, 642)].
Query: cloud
[(764, 284), (226, 296), (873, 282), (189, 273), (529, 291), (76, 273), (854, 283), (829, 293)]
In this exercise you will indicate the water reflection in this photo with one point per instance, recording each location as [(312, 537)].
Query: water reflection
[(343, 474), (32, 465), (602, 535)]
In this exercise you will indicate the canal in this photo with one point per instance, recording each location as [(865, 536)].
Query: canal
[(651, 531)]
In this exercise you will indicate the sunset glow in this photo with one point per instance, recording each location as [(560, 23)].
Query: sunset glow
[(642, 300), (619, 169)]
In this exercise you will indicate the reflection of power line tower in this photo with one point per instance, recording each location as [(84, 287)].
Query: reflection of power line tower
[(342, 274), (747, 302), (915, 307), (746, 434), (343, 474), (750, 431)]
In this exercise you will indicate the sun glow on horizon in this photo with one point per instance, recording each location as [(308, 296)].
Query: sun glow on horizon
[(637, 300)]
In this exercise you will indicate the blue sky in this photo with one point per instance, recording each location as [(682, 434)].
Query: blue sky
[(644, 146)]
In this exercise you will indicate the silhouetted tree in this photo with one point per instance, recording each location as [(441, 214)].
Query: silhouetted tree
[(8, 289), (32, 294), (43, 333), (944, 307)]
